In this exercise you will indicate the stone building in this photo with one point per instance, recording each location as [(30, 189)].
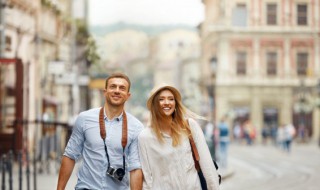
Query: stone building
[(39, 33), (268, 64)]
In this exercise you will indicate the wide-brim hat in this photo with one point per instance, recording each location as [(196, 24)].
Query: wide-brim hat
[(159, 88)]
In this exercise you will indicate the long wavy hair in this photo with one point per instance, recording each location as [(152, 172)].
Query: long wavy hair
[(179, 125)]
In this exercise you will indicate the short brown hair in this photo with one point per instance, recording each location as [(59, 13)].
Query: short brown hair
[(118, 75)]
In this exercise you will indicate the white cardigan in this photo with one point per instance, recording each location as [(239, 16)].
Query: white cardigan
[(166, 167)]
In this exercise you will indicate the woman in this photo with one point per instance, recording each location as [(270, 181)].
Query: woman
[(165, 151)]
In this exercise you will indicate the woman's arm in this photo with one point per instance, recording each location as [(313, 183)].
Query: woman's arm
[(206, 164), (143, 153)]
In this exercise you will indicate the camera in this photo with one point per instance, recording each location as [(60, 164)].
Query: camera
[(116, 173)]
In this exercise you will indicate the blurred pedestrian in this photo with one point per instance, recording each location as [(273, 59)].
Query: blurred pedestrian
[(249, 132), (289, 133), (273, 134), (301, 133), (165, 150), (237, 132), (107, 141), (281, 136), (223, 143), (265, 135), (210, 138)]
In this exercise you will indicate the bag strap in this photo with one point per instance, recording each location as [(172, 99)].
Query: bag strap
[(194, 149), (196, 156)]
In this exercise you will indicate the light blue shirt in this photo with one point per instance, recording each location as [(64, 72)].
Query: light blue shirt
[(86, 143)]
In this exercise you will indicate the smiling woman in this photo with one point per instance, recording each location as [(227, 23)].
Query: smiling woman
[(165, 145), (146, 12)]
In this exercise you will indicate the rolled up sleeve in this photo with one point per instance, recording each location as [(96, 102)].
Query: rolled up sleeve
[(75, 144), (133, 150)]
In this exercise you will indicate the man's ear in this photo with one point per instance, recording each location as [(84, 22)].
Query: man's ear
[(129, 95)]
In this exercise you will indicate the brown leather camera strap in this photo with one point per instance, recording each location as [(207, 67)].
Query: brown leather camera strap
[(103, 133)]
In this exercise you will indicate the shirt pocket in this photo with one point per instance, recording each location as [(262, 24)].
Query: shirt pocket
[(188, 158)]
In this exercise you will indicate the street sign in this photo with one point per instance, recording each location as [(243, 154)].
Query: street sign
[(56, 67), (71, 78)]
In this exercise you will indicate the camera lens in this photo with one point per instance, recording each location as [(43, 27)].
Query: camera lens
[(119, 173)]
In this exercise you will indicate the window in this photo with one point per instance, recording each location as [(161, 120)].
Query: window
[(302, 64), (271, 63), (8, 43), (302, 16), (271, 14), (239, 17), (241, 62)]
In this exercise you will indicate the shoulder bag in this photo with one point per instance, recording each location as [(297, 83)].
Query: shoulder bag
[(196, 159)]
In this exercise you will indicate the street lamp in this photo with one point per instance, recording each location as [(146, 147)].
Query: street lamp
[(213, 65), (302, 107), (213, 71), (211, 92), (318, 105)]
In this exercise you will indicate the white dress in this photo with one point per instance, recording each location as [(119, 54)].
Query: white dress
[(166, 167)]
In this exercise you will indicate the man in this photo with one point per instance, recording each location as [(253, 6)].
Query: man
[(102, 157), (223, 143)]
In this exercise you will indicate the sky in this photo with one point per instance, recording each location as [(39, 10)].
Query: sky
[(146, 12)]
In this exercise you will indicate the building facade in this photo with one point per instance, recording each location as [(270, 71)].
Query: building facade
[(40, 34), (268, 62)]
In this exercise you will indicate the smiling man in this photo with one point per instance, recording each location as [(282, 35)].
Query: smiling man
[(106, 140)]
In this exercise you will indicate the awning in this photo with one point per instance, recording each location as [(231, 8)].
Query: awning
[(50, 100)]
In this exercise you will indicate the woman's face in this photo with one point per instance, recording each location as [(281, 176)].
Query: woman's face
[(167, 102)]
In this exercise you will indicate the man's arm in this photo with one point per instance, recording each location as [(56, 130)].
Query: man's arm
[(66, 168), (136, 179)]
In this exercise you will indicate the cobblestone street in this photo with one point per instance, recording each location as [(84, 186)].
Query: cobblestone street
[(261, 167), (254, 167)]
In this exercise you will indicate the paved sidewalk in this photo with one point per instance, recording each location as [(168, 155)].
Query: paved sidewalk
[(48, 180), (260, 167), (226, 173), (45, 180)]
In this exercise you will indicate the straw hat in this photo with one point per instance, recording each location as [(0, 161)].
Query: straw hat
[(159, 88)]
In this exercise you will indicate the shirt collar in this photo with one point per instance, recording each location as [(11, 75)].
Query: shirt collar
[(119, 118)]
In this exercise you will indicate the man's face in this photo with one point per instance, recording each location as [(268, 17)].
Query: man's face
[(117, 91)]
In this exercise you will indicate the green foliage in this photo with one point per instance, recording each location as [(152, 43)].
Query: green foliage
[(82, 32), (91, 51), (51, 6)]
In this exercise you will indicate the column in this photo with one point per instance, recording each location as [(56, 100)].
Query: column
[(256, 60), (286, 57), (256, 112)]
